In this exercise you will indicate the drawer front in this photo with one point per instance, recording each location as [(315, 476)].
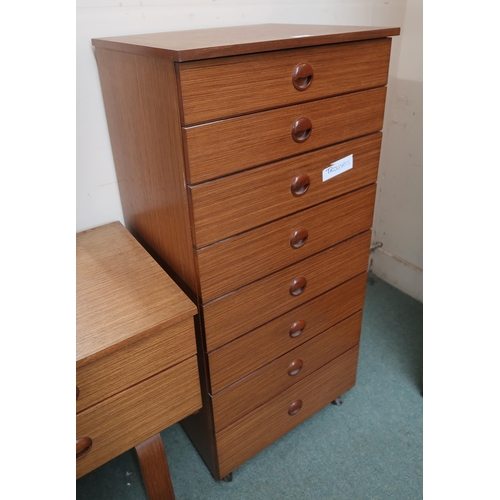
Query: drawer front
[(132, 416), (220, 88), (236, 203), (247, 394), (242, 440), (243, 259), (232, 145), (134, 363), (279, 336), (238, 312)]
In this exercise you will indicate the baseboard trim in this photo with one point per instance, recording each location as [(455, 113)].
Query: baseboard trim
[(398, 272)]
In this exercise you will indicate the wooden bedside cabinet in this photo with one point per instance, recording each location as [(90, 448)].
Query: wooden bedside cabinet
[(246, 160), (136, 366)]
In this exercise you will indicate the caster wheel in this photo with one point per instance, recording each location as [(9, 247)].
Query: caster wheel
[(228, 478), (337, 402)]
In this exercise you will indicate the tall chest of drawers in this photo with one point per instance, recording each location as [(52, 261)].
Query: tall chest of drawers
[(246, 160)]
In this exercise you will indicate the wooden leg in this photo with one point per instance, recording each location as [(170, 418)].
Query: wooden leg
[(154, 469)]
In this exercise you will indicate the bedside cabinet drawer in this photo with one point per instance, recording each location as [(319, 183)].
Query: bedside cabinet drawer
[(238, 312), (243, 259), (227, 146), (242, 397), (117, 424), (249, 352), (130, 365), (236, 203), (220, 88), (252, 433)]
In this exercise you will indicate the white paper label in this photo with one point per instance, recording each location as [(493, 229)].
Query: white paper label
[(338, 167)]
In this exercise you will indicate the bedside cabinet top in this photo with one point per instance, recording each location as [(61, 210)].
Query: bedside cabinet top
[(122, 294), (238, 40)]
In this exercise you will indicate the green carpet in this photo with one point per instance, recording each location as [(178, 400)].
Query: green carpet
[(369, 448)]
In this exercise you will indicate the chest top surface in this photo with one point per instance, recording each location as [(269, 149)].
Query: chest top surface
[(237, 40), (122, 294)]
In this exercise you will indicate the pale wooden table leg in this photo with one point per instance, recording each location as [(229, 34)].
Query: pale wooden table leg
[(154, 469)]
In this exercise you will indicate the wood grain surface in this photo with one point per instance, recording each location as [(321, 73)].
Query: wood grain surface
[(241, 398), (230, 86), (154, 469), (132, 416), (235, 144), (122, 294), (245, 258), (249, 352), (238, 312), (140, 97), (235, 203), (199, 427), (227, 41), (113, 373), (252, 433)]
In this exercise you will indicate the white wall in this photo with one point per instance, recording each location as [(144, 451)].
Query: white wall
[(398, 211), (97, 197)]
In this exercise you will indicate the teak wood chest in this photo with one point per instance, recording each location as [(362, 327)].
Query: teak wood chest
[(246, 160)]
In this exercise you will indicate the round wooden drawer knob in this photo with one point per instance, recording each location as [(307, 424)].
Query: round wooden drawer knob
[(297, 328), (295, 367), (299, 238), (301, 129), (300, 184), (302, 76), (83, 446), (295, 407), (298, 285)]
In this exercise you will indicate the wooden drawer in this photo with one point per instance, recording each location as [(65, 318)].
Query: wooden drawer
[(227, 146), (238, 202), (249, 352), (121, 369), (244, 438), (243, 259), (247, 394), (132, 416), (238, 312), (224, 87)]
